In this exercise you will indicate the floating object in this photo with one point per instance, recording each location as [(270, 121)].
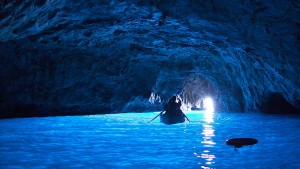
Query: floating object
[(172, 118), (240, 142)]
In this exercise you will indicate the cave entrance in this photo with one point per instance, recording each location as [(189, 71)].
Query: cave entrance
[(198, 93)]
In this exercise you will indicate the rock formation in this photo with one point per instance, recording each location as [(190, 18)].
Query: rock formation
[(87, 57)]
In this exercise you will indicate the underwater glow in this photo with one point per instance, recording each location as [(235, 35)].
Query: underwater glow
[(96, 141)]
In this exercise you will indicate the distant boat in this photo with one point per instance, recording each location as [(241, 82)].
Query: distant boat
[(172, 118), (197, 108)]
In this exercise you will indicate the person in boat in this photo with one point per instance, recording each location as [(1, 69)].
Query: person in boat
[(173, 106), (201, 104)]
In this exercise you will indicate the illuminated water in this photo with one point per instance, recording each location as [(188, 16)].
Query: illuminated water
[(130, 141)]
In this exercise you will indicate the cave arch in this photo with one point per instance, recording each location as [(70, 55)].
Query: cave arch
[(195, 89)]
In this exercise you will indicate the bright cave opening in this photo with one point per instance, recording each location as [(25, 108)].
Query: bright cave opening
[(198, 94)]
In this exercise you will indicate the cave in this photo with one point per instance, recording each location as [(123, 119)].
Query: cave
[(276, 103), (197, 89), (103, 57)]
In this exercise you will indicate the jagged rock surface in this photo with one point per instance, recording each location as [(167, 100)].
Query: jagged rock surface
[(86, 57)]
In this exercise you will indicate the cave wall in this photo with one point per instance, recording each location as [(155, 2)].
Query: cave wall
[(90, 57)]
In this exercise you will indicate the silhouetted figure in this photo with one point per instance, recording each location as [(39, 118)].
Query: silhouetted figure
[(201, 104), (173, 107)]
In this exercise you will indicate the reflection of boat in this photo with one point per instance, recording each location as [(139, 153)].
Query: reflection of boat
[(197, 108), (172, 118)]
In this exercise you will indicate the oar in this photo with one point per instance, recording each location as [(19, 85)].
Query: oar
[(156, 116), (186, 117)]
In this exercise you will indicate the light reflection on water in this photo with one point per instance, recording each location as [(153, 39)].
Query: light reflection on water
[(130, 141), (207, 142)]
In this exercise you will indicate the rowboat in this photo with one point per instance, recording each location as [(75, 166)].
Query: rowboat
[(172, 118), (197, 108)]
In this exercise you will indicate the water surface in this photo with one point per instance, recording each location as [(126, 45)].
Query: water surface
[(130, 141)]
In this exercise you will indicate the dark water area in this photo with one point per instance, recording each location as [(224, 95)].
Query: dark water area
[(130, 141)]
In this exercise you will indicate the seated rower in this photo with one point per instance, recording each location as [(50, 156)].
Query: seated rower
[(173, 106)]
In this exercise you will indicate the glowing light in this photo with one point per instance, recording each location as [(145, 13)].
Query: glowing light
[(209, 109), (208, 104), (209, 116)]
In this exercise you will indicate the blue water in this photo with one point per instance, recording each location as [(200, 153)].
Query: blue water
[(130, 141)]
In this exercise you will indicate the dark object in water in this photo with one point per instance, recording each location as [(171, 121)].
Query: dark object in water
[(240, 142)]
